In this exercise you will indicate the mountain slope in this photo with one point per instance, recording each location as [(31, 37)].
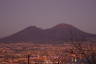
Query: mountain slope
[(60, 32)]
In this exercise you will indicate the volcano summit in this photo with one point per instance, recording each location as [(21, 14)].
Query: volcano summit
[(60, 32)]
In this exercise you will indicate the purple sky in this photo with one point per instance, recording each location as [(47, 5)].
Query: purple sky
[(16, 15)]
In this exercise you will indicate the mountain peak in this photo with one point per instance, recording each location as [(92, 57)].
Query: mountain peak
[(63, 25), (60, 32), (32, 27)]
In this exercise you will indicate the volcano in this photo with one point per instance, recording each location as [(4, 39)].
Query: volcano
[(60, 32)]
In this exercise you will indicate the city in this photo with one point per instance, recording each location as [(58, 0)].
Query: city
[(29, 53)]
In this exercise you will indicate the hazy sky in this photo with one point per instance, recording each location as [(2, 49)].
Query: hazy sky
[(16, 15)]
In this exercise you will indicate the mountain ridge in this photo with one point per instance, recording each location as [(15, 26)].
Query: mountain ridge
[(60, 32)]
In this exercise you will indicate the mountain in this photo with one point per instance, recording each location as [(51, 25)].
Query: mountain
[(60, 32)]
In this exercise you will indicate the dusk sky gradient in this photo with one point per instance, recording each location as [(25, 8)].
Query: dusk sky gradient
[(16, 15)]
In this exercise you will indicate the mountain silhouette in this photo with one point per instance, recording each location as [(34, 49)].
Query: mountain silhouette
[(60, 32)]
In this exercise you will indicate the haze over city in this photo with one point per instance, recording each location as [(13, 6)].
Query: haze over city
[(16, 15)]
